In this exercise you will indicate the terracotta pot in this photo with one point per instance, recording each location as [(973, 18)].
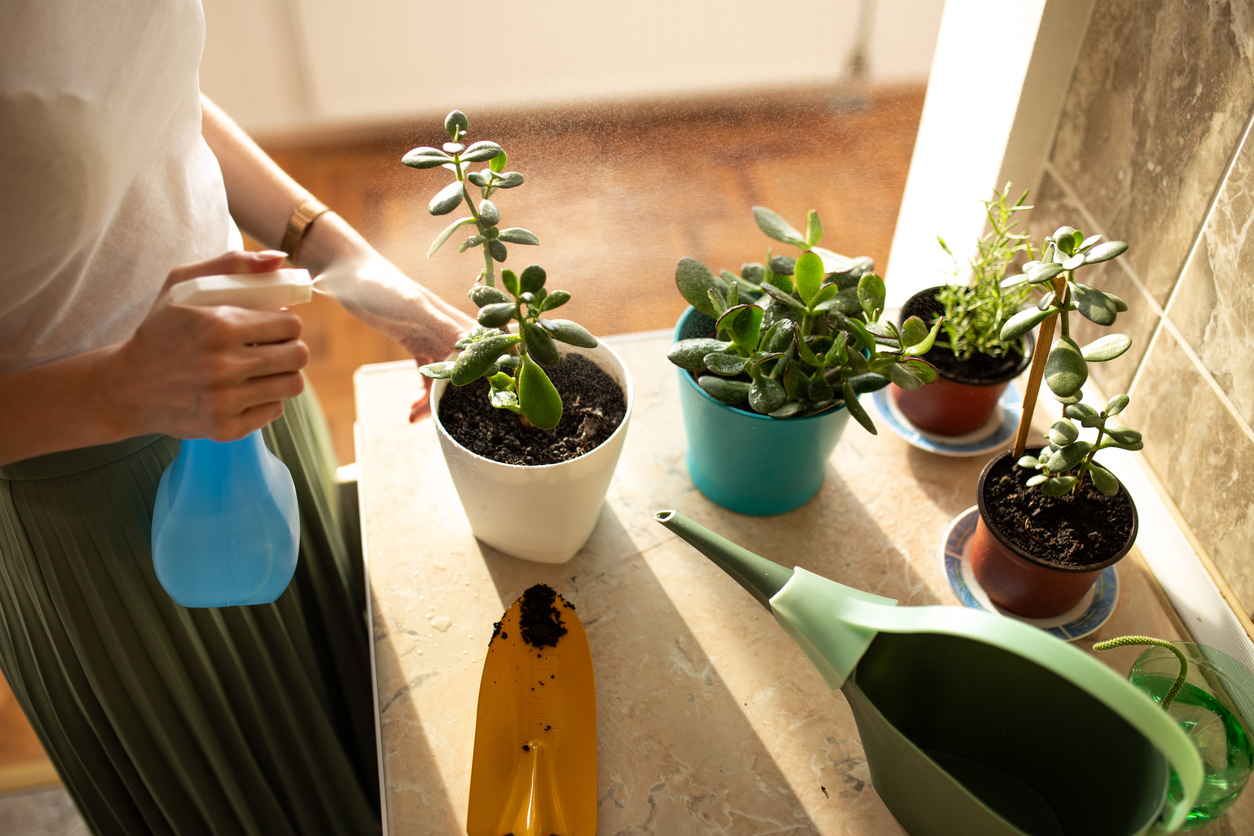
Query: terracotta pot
[(955, 404), (1023, 582)]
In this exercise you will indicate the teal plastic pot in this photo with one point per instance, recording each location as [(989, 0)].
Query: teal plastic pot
[(749, 463)]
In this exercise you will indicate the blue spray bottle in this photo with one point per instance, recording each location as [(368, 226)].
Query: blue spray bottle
[(225, 527)]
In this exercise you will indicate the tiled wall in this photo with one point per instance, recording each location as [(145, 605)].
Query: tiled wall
[(1154, 149)]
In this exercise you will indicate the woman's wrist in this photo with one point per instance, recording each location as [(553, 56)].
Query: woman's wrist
[(329, 240)]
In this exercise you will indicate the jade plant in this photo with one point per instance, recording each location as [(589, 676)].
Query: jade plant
[(792, 339), (513, 360), (1068, 459), (976, 311)]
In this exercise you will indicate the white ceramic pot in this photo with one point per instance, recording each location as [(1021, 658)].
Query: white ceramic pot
[(546, 512)]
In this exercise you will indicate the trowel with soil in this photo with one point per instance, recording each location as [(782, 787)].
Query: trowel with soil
[(534, 771)]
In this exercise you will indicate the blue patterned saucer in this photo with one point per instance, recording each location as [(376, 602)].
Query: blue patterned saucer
[(995, 435), (1084, 618)]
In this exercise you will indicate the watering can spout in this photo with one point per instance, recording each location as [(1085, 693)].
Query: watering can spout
[(811, 609), (760, 577)]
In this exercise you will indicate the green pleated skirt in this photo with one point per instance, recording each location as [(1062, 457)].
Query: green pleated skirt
[(166, 720)]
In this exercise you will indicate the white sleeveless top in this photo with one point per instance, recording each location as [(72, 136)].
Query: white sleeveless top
[(105, 181)]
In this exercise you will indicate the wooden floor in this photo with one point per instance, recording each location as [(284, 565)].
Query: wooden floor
[(616, 201)]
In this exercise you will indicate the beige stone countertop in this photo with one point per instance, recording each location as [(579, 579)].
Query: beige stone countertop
[(710, 720)]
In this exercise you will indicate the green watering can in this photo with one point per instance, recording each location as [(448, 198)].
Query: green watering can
[(975, 724)]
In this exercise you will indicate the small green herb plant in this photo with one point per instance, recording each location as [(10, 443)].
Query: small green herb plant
[(976, 311), (513, 363), (1064, 463), (792, 338)]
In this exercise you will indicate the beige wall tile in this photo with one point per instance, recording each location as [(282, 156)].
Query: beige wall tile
[(1202, 454), (1214, 305), (1159, 99)]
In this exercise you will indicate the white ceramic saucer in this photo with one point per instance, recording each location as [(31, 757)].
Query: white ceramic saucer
[(1085, 617), (994, 435)]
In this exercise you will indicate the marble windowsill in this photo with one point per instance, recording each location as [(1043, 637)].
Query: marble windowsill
[(709, 717)]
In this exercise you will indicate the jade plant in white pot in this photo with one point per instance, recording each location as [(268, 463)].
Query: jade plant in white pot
[(772, 361), (1052, 518), (532, 414)]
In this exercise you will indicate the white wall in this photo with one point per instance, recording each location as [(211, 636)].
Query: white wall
[(286, 65), (987, 120)]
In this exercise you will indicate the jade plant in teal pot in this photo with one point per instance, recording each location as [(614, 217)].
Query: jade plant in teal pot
[(771, 363), (1053, 518)]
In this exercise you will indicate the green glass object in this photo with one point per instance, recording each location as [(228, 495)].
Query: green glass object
[(1212, 708)]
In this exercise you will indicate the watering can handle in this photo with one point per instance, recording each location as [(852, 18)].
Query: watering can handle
[(808, 599)]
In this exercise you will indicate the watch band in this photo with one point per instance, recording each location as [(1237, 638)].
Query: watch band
[(298, 225)]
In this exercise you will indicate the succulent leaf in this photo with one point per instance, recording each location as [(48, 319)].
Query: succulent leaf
[(808, 276), (694, 281), (537, 397), (690, 354), (1116, 404), (479, 356), (724, 390), (776, 227), (570, 333), (1103, 479), (1094, 305), (855, 408), (727, 365), (1105, 252), (496, 314), (437, 371), (518, 235), (1106, 348), (447, 199), (1063, 433), (540, 345), (532, 278), (481, 151), (1065, 369), (1023, 322), (555, 299)]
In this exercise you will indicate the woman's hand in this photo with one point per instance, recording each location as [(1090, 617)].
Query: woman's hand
[(375, 291), (210, 372)]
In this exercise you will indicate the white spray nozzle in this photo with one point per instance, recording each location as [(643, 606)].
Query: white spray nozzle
[(256, 291)]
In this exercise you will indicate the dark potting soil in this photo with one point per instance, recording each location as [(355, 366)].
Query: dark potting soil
[(1084, 528), (593, 406), (979, 369), (539, 619)]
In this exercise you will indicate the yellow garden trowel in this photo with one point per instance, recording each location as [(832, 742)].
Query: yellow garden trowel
[(534, 771)]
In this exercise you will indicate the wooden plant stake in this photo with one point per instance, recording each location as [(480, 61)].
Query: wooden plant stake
[(1044, 340)]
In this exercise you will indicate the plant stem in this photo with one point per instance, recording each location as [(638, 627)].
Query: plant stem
[(1124, 641), (489, 265)]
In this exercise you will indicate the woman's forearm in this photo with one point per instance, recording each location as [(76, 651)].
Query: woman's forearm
[(262, 196), (61, 406)]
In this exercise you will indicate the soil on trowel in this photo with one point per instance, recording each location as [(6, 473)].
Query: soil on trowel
[(539, 619), (1079, 529), (592, 408)]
